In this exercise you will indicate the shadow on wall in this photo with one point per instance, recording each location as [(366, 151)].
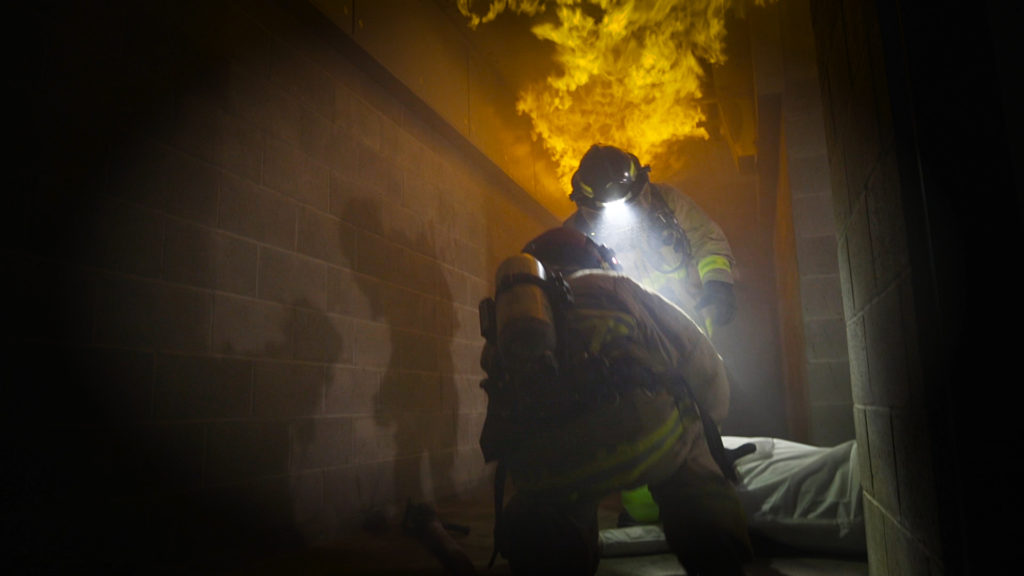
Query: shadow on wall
[(212, 479), (416, 405)]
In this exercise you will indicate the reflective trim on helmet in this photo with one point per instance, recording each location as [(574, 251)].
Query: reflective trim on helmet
[(713, 262)]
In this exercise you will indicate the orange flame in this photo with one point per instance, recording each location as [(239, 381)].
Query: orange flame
[(631, 72)]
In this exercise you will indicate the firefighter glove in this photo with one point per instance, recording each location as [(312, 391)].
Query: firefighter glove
[(719, 297)]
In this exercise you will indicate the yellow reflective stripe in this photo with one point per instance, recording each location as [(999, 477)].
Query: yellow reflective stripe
[(605, 328), (631, 475), (666, 434), (713, 262)]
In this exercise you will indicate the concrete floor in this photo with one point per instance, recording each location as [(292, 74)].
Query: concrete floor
[(389, 551)]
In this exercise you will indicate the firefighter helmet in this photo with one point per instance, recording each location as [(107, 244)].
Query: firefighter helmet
[(607, 174), (566, 249)]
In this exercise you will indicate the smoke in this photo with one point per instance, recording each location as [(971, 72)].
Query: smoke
[(630, 74)]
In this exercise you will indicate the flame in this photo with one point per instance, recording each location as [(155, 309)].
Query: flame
[(631, 72)]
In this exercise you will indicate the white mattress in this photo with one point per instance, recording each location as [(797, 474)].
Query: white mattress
[(802, 496)]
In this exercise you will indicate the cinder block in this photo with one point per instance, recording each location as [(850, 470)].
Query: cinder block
[(885, 217), (887, 349), (420, 194), (242, 146), (139, 314), (466, 323), (291, 279), (303, 80), (860, 137), (825, 339), (875, 523), (812, 216), (469, 426), (883, 459), (200, 387), (288, 389), (804, 132), (465, 395), (288, 170), (321, 443), (394, 398), (257, 213), (316, 138), (471, 258), (841, 197), (351, 390), (197, 256), (860, 427), (429, 388), (904, 552), (821, 296), (831, 424), (343, 162), (273, 109), (349, 293), (192, 188), (246, 327), (439, 316), (860, 377), (150, 173), (379, 257), (376, 177), (850, 308), (374, 440), (919, 503), (365, 123), (829, 382), (245, 450), (423, 272), (416, 351), (401, 308), (466, 357), (861, 257), (374, 345), (816, 255), (326, 238), (809, 175), (321, 337), (833, 59)]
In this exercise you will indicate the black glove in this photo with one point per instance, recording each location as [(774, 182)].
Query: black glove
[(720, 298)]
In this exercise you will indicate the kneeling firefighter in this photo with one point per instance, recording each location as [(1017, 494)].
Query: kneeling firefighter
[(596, 385)]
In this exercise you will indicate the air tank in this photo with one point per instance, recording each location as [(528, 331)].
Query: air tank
[(524, 318)]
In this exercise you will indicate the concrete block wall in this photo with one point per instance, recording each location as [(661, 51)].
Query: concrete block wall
[(885, 367), (245, 270), (826, 364)]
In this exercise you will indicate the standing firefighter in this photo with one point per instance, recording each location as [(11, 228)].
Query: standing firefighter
[(596, 385), (668, 244)]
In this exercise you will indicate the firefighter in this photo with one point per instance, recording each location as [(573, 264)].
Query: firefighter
[(667, 243), (596, 385)]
